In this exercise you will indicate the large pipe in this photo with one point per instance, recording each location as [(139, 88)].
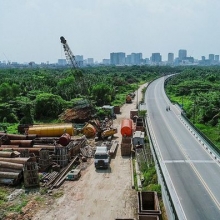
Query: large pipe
[(19, 136), (11, 165), (6, 154), (31, 150), (9, 146), (16, 136), (9, 175), (31, 136), (22, 143), (20, 160), (52, 130), (45, 147), (3, 169)]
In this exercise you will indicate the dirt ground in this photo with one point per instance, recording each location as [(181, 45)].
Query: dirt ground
[(98, 194)]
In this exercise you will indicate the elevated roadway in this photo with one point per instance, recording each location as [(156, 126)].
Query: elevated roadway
[(191, 172)]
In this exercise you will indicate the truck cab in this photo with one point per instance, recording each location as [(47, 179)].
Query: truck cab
[(101, 157)]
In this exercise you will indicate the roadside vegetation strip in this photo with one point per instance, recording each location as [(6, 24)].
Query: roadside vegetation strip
[(196, 90)]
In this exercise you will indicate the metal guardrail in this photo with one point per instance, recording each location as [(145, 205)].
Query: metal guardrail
[(157, 162), (211, 144)]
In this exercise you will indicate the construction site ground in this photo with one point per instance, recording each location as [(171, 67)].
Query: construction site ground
[(98, 194)]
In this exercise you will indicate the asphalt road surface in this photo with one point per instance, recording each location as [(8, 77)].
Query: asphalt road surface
[(193, 175)]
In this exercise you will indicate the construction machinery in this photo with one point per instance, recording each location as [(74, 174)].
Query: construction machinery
[(128, 99), (103, 130), (108, 132), (100, 130), (68, 53), (71, 60)]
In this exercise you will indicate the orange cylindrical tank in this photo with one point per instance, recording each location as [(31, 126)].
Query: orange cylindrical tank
[(64, 139), (126, 127), (51, 131), (89, 131)]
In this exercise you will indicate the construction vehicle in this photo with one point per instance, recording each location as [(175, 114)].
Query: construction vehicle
[(109, 132), (68, 53), (128, 99), (78, 74), (103, 131), (101, 157)]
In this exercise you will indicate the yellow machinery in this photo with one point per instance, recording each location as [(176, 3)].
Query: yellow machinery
[(109, 132)]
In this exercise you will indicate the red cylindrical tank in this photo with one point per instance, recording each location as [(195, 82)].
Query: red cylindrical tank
[(64, 139), (126, 127)]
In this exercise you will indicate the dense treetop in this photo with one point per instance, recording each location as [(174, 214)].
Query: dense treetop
[(33, 94)]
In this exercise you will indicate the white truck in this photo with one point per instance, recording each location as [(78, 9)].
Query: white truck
[(102, 157)]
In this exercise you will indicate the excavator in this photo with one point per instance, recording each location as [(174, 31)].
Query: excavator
[(102, 131)]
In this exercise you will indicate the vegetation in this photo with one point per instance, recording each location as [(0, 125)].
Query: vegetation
[(197, 90), (37, 95)]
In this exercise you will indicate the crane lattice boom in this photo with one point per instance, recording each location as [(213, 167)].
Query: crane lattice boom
[(68, 53)]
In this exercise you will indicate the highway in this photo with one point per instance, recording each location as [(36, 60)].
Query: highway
[(191, 172)]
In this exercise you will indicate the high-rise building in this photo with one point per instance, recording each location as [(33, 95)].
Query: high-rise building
[(170, 57), (128, 59), (136, 58), (203, 58), (156, 58), (211, 57), (62, 62), (117, 58), (79, 60), (217, 58), (90, 61), (182, 54), (106, 61)]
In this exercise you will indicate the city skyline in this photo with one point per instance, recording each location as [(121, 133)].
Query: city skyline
[(31, 30), (133, 58)]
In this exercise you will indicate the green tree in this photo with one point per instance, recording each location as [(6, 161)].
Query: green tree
[(48, 105), (101, 93), (6, 92)]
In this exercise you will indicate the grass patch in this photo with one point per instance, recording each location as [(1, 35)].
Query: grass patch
[(57, 195), (3, 195), (18, 207), (212, 133), (39, 199)]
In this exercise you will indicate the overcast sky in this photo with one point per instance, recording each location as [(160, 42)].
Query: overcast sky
[(30, 30)]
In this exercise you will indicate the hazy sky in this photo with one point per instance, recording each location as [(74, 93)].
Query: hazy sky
[(30, 30)]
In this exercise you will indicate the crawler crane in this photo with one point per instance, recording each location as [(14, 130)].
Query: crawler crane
[(68, 53)]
